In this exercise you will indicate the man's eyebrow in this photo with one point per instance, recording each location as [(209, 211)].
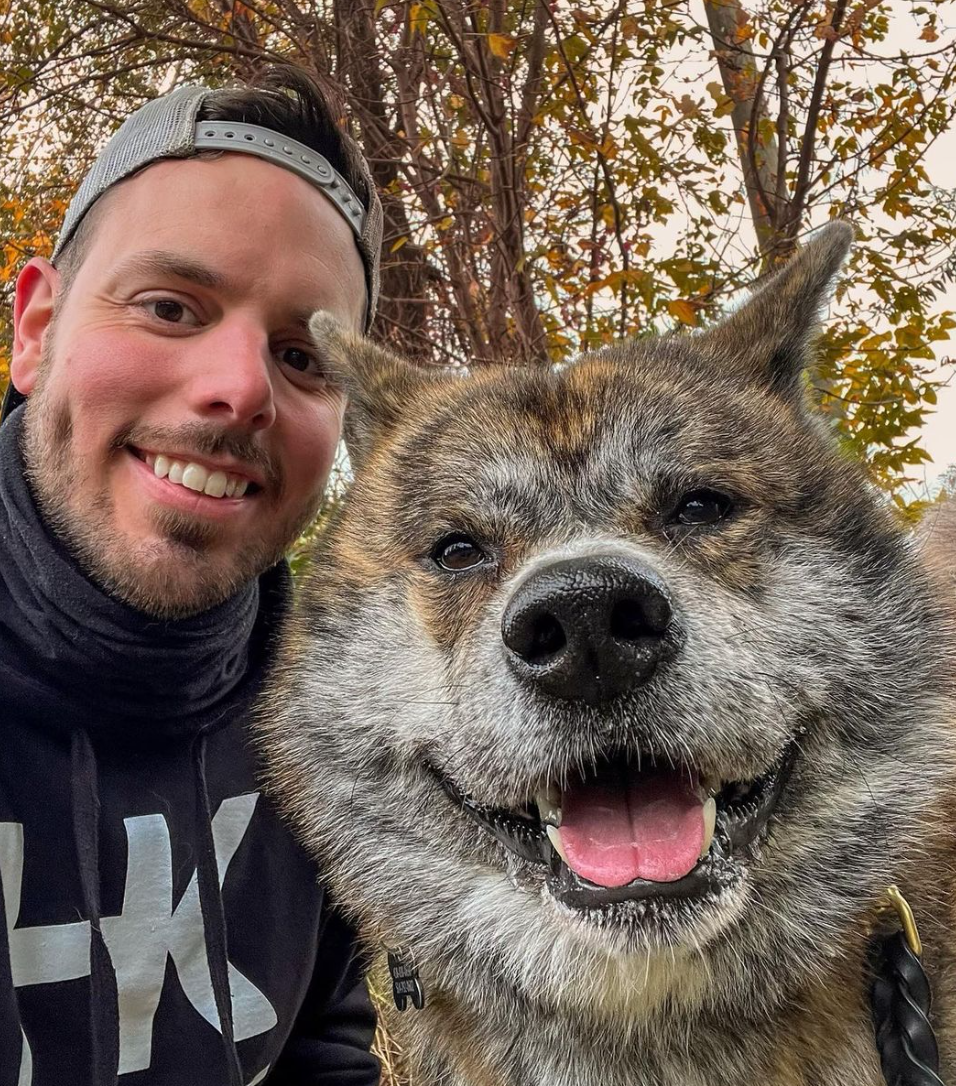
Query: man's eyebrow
[(301, 318), (160, 262)]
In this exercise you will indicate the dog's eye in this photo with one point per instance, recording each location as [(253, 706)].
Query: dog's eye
[(458, 552), (702, 507)]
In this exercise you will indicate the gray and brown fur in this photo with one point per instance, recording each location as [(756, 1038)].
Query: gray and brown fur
[(806, 616)]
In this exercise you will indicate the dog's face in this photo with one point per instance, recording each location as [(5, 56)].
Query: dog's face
[(612, 681)]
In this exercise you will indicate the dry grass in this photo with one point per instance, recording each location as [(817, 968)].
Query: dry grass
[(385, 1046)]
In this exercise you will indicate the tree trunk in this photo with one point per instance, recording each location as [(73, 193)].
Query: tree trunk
[(757, 149)]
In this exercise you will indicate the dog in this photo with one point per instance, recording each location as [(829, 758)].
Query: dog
[(613, 703)]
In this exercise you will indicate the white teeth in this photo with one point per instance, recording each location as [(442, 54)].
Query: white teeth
[(195, 476), (710, 786), (554, 836), (710, 821), (549, 806), (216, 484)]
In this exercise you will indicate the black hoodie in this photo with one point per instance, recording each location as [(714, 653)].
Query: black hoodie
[(143, 874)]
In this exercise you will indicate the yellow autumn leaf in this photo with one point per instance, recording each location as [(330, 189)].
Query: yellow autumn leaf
[(722, 100), (683, 311), (502, 45), (608, 148), (398, 244), (418, 16)]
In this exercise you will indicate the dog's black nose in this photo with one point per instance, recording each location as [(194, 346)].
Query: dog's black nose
[(588, 628)]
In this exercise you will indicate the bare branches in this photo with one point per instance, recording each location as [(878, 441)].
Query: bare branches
[(603, 165), (802, 183)]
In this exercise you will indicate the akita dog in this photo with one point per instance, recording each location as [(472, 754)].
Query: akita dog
[(614, 701)]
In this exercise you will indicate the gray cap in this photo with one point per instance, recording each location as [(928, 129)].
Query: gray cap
[(166, 127)]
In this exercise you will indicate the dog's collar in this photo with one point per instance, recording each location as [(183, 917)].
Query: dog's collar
[(900, 1000), (900, 997)]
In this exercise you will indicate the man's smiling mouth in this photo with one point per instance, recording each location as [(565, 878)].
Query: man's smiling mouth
[(214, 483)]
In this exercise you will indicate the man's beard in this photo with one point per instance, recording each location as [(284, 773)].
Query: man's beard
[(178, 574)]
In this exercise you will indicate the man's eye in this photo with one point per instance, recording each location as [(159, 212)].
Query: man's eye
[(171, 312), (298, 359)]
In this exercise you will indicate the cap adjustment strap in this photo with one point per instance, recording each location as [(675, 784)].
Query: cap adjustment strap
[(265, 143)]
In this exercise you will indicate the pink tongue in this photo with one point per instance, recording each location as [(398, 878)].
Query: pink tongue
[(615, 830)]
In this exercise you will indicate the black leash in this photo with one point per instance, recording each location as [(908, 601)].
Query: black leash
[(901, 1001)]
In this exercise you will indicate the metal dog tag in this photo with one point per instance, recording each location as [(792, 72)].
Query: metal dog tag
[(405, 982)]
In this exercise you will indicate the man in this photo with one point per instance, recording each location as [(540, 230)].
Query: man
[(162, 927)]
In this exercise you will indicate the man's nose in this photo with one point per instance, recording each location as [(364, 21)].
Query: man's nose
[(234, 375)]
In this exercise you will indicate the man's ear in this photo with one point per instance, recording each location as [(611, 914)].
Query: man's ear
[(769, 339), (37, 286), (380, 385)]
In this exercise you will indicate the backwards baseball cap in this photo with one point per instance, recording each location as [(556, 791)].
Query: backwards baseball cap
[(168, 128)]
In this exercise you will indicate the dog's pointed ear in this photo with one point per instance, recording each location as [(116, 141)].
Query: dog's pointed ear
[(769, 339), (379, 384)]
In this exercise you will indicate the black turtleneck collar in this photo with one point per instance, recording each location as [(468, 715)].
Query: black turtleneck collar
[(79, 657)]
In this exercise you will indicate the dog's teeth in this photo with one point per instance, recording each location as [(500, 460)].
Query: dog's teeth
[(554, 836), (549, 806), (710, 821)]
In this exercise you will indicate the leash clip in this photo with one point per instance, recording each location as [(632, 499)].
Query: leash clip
[(901, 907), (900, 1000)]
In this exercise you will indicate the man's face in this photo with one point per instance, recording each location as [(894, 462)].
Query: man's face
[(180, 428)]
